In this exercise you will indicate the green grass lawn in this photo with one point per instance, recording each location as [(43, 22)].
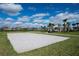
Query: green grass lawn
[(63, 48), (71, 33)]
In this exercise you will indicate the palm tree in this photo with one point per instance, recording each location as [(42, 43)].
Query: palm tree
[(49, 24), (65, 25), (68, 26), (43, 28), (50, 27)]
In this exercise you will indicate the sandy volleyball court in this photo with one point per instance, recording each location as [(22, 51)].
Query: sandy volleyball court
[(23, 42)]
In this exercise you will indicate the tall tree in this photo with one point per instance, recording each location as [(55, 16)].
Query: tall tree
[(50, 27), (43, 28), (68, 26), (65, 25)]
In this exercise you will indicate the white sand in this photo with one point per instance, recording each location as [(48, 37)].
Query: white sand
[(22, 42)]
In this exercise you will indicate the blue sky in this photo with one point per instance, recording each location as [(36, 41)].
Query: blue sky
[(37, 14)]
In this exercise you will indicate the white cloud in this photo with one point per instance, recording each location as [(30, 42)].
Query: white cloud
[(40, 15), (9, 19), (11, 9), (24, 19), (8, 22), (37, 25), (44, 21), (1, 20), (16, 24), (61, 16), (39, 18), (38, 21), (27, 25), (11, 23), (31, 25)]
